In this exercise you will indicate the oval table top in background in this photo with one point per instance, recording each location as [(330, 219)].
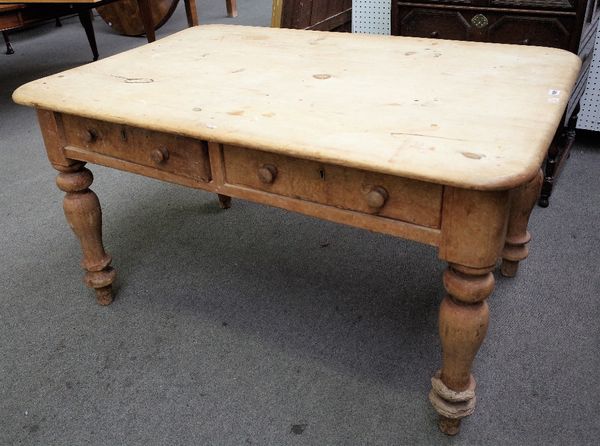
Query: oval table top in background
[(123, 16)]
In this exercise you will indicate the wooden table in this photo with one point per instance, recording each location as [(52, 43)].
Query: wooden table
[(57, 8), (416, 138)]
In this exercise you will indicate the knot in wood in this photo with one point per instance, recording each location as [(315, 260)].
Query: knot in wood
[(74, 181), (468, 288)]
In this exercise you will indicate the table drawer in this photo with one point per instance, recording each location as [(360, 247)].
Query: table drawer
[(178, 155), (353, 189)]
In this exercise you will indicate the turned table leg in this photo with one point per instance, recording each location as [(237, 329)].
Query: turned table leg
[(517, 236), (224, 201), (463, 324), (82, 210)]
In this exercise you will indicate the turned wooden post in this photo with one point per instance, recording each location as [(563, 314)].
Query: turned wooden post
[(82, 210), (463, 323), (473, 232), (522, 203)]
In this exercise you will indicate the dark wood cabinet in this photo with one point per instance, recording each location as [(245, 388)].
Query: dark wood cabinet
[(566, 24), (320, 15)]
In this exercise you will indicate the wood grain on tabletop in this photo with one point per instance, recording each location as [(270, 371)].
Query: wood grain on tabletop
[(466, 114)]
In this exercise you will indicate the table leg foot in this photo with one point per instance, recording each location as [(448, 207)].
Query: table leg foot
[(224, 201), (463, 323), (509, 268), (449, 426), (515, 247), (83, 213)]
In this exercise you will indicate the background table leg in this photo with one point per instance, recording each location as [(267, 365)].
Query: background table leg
[(231, 8), (9, 48), (85, 17), (522, 203), (83, 213), (146, 14), (224, 201), (191, 12)]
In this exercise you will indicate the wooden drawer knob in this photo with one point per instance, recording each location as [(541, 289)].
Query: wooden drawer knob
[(377, 197), (267, 173), (159, 156)]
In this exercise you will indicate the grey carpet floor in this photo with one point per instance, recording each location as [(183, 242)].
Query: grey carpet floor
[(258, 326)]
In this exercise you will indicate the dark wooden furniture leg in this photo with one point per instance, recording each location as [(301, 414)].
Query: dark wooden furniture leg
[(82, 210), (85, 17), (559, 152), (191, 12), (224, 201), (515, 247), (231, 8), (146, 14), (9, 48)]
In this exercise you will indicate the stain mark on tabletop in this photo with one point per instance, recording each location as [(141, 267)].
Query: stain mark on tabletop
[(471, 155), (321, 76), (134, 80), (238, 70), (410, 53), (426, 136), (197, 109), (236, 113), (298, 429), (317, 40), (268, 114)]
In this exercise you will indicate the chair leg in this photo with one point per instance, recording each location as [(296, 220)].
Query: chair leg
[(191, 12), (146, 14), (9, 48), (231, 8), (85, 17)]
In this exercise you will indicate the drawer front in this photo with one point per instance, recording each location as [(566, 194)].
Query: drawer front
[(178, 155), (531, 30), (485, 26), (432, 23), (346, 188)]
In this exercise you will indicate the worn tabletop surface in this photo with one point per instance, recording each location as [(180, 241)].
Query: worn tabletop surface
[(468, 114)]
